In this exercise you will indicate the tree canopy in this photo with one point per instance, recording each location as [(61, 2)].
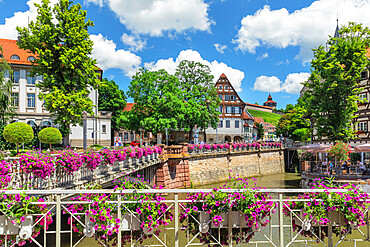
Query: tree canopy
[(112, 99), (60, 38), (331, 96), (200, 95), (183, 100), (293, 124)]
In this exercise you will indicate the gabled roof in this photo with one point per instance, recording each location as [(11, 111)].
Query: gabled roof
[(259, 120), (247, 116), (129, 106), (229, 84)]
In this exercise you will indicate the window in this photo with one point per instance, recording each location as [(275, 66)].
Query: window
[(120, 135), (31, 123), (229, 109), (238, 110), (46, 123), (104, 129), (220, 96), (31, 80), (220, 124), (15, 57), (1, 56), (132, 136), (125, 136), (15, 99), (219, 87), (226, 87), (227, 123), (31, 58), (236, 123), (363, 97), (362, 126), (364, 75), (15, 76), (220, 110), (30, 100)]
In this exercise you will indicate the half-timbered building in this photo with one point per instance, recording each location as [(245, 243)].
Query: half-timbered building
[(230, 127)]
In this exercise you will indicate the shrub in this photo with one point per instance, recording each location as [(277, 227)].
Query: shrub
[(18, 133), (50, 135)]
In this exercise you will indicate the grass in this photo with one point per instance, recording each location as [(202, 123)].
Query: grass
[(267, 117)]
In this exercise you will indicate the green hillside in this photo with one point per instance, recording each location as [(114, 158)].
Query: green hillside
[(267, 117)]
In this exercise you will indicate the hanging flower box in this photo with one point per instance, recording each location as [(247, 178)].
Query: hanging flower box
[(336, 218)]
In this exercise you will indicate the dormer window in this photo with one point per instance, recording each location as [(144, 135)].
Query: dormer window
[(15, 57), (31, 58)]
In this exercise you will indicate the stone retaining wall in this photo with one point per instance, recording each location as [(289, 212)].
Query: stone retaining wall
[(213, 168)]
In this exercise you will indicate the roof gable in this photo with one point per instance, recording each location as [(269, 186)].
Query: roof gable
[(222, 80)]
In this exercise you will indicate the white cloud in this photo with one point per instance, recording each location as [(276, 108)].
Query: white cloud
[(272, 84), (100, 3), (220, 48), (307, 27), (154, 17), (267, 84), (8, 29), (134, 41), (235, 76), (293, 82), (108, 56), (265, 55)]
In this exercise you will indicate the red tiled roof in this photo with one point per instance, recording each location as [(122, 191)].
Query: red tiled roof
[(128, 106), (223, 75), (11, 48), (259, 120), (246, 116), (270, 101), (246, 125), (262, 106)]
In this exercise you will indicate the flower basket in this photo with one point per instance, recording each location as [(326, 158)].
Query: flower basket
[(336, 218)]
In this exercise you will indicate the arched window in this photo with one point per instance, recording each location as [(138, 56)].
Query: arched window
[(15, 57), (46, 123), (31, 58), (31, 122)]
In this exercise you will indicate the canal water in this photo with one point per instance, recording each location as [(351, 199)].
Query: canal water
[(284, 180)]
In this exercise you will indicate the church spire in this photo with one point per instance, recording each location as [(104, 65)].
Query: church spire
[(336, 34)]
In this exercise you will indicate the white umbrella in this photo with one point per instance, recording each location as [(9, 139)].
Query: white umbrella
[(363, 148)]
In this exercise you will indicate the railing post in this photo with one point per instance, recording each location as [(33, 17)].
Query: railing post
[(330, 227), (281, 221), (58, 221), (119, 215), (176, 220)]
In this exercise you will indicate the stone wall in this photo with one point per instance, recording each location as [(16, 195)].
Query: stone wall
[(173, 174), (212, 168)]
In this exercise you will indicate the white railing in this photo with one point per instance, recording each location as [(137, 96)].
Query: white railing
[(62, 179), (278, 232)]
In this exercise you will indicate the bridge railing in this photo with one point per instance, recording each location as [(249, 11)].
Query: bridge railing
[(277, 232), (60, 178)]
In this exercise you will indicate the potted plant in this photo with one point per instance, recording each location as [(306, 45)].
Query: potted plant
[(208, 213), (140, 219), (345, 209), (21, 219), (340, 151)]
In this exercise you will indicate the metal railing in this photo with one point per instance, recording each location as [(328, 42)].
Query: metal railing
[(278, 232), (62, 179)]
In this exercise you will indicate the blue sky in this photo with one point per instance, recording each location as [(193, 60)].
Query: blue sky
[(262, 46)]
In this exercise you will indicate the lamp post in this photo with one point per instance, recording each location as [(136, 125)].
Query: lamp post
[(84, 115)]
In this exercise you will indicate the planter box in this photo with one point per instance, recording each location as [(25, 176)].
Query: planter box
[(129, 222), (337, 219), (24, 229), (237, 221)]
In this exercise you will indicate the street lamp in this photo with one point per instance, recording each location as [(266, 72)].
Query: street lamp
[(84, 116)]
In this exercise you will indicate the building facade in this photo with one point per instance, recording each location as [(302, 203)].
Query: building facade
[(29, 108), (230, 127)]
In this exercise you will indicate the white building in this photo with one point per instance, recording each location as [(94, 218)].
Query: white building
[(29, 108)]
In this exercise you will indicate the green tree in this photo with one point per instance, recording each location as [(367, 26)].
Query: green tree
[(202, 103), (112, 99), (50, 136), (331, 98), (61, 41), (294, 125), (260, 131), (18, 133), (6, 109), (157, 95)]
